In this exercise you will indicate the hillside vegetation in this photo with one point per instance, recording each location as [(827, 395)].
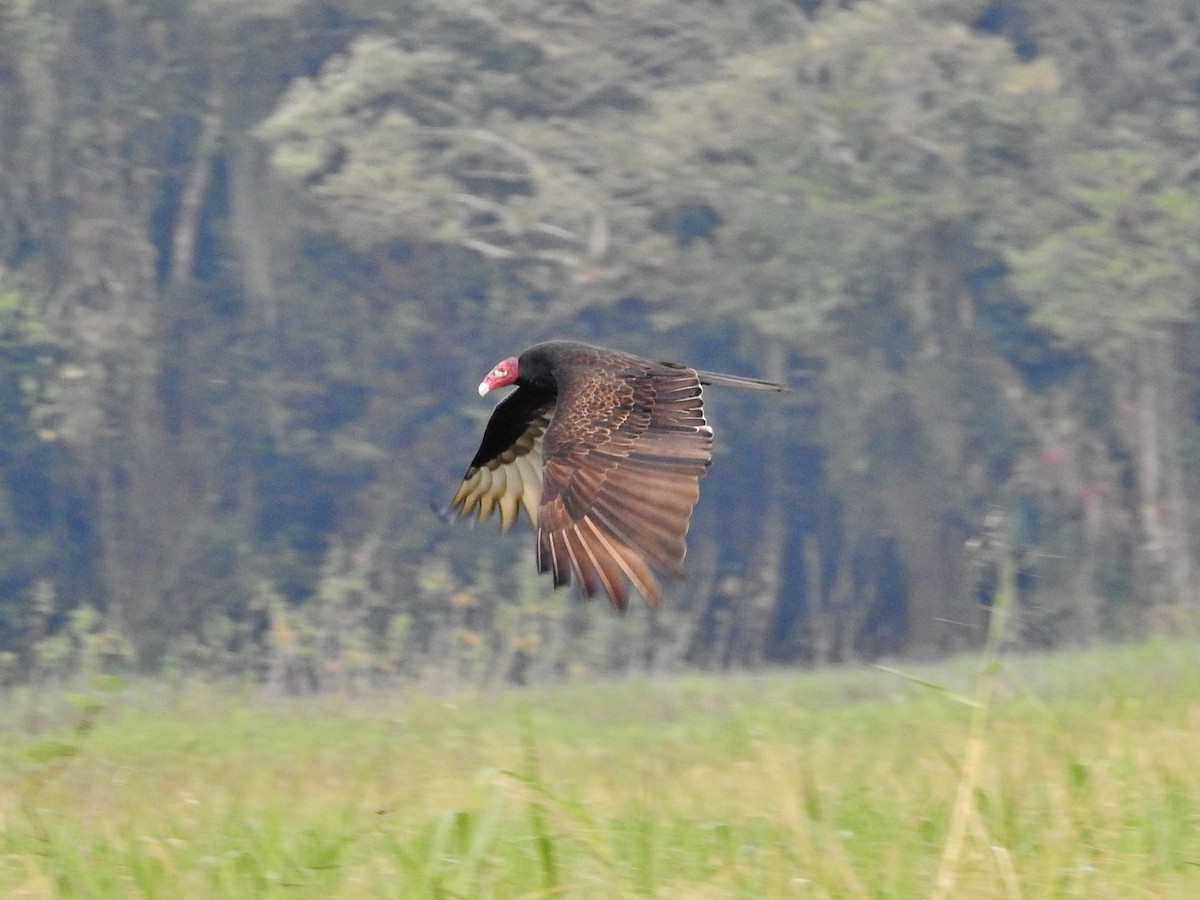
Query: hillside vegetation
[(255, 257)]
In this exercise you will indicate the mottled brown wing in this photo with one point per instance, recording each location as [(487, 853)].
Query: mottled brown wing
[(506, 473), (622, 462)]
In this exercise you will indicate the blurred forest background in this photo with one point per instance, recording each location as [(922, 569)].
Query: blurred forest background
[(255, 257)]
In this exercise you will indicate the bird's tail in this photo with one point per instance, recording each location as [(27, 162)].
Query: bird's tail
[(741, 381)]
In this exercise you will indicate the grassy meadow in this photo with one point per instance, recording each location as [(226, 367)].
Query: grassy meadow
[(1084, 781)]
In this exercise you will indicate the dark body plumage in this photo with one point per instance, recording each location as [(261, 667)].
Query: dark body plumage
[(605, 451)]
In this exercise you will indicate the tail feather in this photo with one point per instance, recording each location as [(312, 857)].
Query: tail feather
[(741, 381)]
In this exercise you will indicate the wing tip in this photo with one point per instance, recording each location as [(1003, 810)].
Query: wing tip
[(445, 513)]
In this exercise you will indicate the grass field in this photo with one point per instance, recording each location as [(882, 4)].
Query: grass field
[(830, 784)]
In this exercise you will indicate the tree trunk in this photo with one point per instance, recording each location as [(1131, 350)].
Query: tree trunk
[(759, 606), (819, 624), (1165, 569)]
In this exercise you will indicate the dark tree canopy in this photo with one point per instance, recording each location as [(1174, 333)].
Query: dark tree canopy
[(250, 255)]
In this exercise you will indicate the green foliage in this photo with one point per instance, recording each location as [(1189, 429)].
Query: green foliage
[(839, 783), (41, 541), (1087, 284), (27, 355), (50, 758)]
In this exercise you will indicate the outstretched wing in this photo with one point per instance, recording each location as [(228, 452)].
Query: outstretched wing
[(622, 462), (506, 473)]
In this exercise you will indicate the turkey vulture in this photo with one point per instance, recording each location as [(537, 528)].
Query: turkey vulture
[(605, 451)]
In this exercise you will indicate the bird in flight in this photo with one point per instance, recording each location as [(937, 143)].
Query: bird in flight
[(604, 451)]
